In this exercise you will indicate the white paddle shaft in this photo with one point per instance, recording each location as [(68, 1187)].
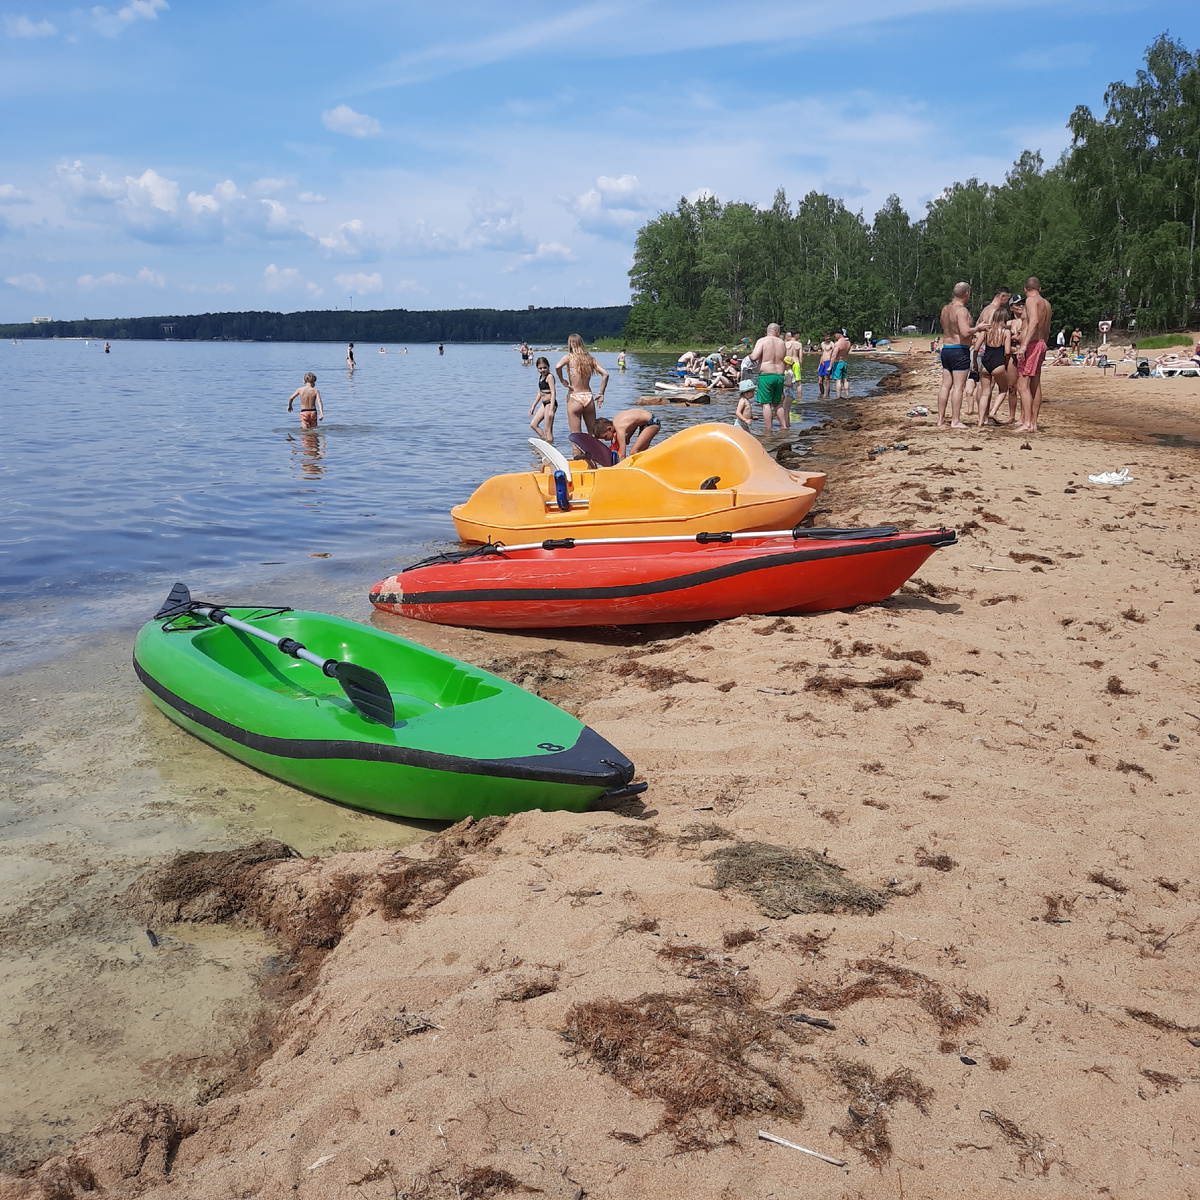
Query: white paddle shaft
[(673, 537), (262, 634)]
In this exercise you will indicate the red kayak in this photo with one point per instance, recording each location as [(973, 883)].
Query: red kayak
[(652, 580)]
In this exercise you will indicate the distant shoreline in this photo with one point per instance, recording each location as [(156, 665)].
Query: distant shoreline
[(396, 325)]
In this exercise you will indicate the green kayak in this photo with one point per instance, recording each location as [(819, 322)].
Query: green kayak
[(455, 740)]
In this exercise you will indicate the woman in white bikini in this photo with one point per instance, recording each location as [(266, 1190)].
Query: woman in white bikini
[(581, 404)]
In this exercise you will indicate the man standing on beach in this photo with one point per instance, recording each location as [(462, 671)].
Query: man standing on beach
[(1034, 333), (769, 354), (1076, 338), (839, 363), (999, 300), (957, 331)]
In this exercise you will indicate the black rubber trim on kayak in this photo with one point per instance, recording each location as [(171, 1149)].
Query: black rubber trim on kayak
[(843, 535), (591, 762), (942, 537)]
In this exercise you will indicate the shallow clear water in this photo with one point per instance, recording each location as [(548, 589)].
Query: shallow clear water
[(178, 460)]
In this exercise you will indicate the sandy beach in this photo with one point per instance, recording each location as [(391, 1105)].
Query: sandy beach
[(913, 886)]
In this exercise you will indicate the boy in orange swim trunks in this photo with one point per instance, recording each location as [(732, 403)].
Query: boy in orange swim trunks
[(311, 408)]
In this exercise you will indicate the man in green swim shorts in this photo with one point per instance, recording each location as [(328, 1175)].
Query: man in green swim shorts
[(769, 353)]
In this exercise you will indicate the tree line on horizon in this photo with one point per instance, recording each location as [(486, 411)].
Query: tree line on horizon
[(1110, 230), (372, 325)]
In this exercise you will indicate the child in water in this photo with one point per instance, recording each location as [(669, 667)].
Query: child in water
[(311, 408), (545, 402), (745, 410)]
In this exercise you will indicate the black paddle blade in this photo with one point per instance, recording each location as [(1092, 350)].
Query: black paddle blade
[(176, 604), (367, 692)]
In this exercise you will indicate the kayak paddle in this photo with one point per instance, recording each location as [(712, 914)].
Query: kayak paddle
[(364, 689)]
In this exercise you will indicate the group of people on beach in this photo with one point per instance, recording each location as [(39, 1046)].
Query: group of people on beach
[(1002, 352), (627, 433)]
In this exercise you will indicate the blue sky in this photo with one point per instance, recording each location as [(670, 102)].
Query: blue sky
[(187, 157)]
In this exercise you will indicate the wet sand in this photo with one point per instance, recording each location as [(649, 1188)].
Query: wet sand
[(1003, 760), (97, 784)]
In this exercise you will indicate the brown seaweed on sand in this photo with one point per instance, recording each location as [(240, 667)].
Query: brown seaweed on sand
[(782, 881), (952, 1010), (700, 1054), (898, 679), (1030, 1147), (870, 1099)]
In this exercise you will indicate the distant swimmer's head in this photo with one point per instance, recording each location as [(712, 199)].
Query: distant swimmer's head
[(310, 379)]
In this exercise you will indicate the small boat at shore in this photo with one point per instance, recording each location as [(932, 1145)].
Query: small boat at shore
[(709, 476), (360, 716), (640, 581)]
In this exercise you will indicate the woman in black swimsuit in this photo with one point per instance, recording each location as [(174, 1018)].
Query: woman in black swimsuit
[(545, 403), (993, 364)]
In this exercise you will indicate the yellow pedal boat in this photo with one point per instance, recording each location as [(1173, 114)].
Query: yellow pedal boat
[(702, 480)]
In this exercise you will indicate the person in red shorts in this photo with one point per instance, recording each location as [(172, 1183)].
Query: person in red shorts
[(311, 408), (1034, 332)]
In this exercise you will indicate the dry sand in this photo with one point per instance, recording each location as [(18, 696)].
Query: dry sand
[(565, 1005)]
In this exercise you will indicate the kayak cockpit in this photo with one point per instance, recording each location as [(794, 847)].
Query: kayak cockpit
[(419, 683)]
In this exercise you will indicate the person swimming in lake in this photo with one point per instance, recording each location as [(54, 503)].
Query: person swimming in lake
[(311, 408), (545, 403), (581, 366)]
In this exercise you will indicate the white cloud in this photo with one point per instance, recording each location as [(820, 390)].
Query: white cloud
[(150, 190), (11, 195), (153, 278), (311, 198), (29, 282), (358, 282), (199, 204), (279, 222), (227, 192), (344, 119), (351, 239), (547, 254), (612, 208), (111, 23), (264, 187), (23, 27), (495, 225), (409, 285), (112, 279), (288, 280)]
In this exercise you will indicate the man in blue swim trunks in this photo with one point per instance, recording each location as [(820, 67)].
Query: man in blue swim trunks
[(957, 332)]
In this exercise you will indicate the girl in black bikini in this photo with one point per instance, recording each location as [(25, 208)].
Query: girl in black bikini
[(545, 403), (993, 365)]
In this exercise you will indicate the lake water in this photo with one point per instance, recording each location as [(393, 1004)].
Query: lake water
[(176, 460)]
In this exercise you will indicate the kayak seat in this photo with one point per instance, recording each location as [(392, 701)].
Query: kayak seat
[(463, 687)]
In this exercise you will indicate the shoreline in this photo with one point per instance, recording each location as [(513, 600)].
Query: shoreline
[(1024, 824)]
